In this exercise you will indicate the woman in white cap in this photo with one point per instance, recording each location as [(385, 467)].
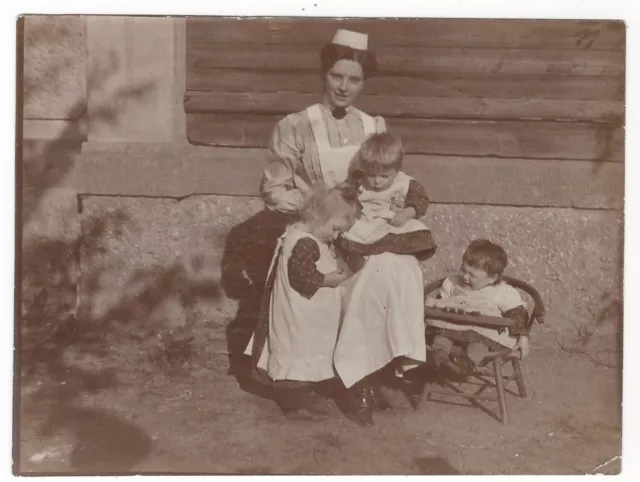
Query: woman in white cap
[(382, 304)]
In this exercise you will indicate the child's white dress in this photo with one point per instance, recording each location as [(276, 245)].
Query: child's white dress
[(373, 223), (302, 331), (492, 300)]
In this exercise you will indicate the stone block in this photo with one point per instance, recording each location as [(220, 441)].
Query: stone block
[(54, 66), (134, 96)]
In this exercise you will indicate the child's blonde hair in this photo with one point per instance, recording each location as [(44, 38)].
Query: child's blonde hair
[(324, 203), (379, 151)]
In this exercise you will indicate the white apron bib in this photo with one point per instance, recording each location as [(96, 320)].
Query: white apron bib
[(334, 161)]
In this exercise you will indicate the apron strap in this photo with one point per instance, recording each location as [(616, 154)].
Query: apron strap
[(261, 332), (317, 127), (368, 123)]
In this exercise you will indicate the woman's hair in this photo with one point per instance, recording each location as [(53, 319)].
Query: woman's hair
[(379, 151), (324, 203), (332, 53), (485, 255)]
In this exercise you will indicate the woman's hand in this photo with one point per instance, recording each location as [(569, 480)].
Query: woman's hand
[(523, 346), (402, 216), (336, 277)]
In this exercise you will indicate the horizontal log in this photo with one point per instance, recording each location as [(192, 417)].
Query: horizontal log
[(401, 106), (417, 60), (540, 86), (508, 139), (519, 182), (179, 171), (543, 34)]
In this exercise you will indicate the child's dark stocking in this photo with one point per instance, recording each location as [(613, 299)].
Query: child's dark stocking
[(441, 350)]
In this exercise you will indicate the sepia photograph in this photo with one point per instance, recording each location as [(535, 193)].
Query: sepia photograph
[(319, 246)]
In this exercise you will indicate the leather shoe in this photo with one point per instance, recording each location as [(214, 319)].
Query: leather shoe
[(361, 410), (378, 401)]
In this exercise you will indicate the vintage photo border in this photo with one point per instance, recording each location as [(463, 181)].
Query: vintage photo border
[(603, 9)]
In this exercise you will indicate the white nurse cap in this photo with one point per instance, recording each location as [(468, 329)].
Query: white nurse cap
[(355, 40)]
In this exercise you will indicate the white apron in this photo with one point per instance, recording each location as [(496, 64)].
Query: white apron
[(373, 223), (302, 332), (383, 317), (383, 304)]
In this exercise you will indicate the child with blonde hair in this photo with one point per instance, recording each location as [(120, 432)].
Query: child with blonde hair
[(293, 345), (391, 201)]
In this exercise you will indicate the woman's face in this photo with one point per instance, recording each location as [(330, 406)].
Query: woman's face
[(343, 82)]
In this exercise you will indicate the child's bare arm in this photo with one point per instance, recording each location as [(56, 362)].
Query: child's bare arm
[(523, 345), (519, 329), (402, 216), (335, 278)]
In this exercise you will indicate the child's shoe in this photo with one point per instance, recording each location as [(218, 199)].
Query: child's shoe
[(465, 365), (439, 357)]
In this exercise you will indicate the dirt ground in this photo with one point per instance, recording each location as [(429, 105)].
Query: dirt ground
[(117, 412)]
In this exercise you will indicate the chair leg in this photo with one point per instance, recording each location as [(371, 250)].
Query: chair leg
[(502, 402), (422, 395), (522, 389)]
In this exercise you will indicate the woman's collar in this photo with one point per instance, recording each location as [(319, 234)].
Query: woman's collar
[(329, 109)]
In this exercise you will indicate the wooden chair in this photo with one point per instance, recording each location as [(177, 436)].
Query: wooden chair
[(489, 374)]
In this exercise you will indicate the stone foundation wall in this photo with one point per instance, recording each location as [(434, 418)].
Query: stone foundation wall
[(572, 257)]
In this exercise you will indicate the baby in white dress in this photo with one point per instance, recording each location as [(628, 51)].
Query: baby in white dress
[(391, 200)]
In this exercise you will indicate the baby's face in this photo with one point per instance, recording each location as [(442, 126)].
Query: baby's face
[(475, 278), (380, 179)]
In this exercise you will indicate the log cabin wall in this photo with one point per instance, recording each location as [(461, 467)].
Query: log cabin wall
[(517, 112), (514, 127)]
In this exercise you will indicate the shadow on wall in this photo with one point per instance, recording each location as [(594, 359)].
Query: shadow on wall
[(45, 165), (64, 355)]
